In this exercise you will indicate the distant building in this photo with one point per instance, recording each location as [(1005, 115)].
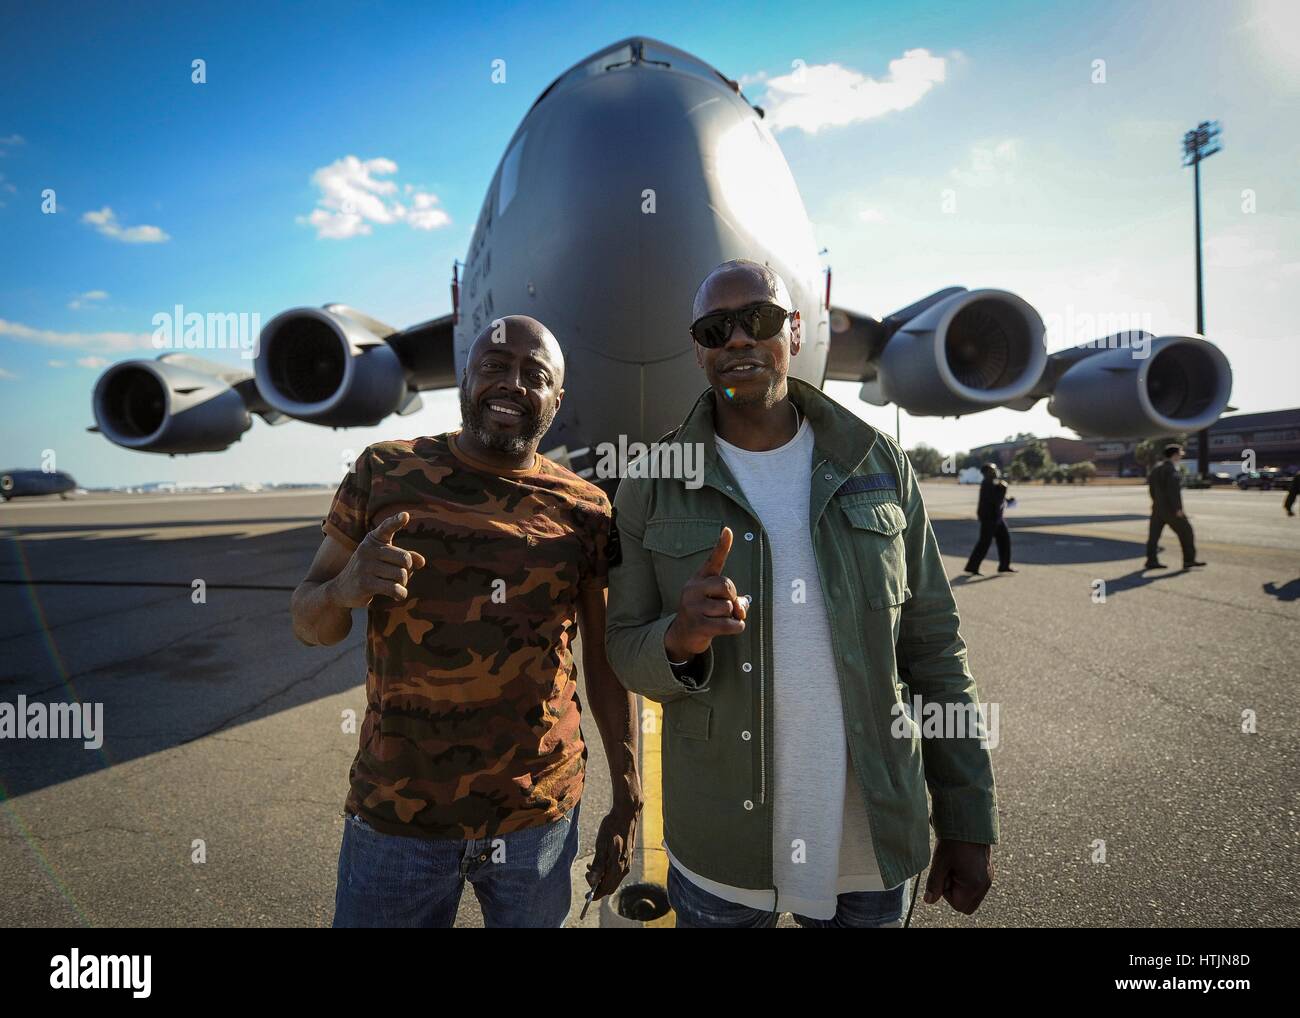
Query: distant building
[(1274, 435), (1062, 450)]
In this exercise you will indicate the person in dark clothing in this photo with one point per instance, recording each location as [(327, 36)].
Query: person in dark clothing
[(1167, 510), (1291, 494), (993, 497)]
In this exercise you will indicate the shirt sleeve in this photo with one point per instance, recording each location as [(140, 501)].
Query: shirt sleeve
[(597, 546), (348, 518)]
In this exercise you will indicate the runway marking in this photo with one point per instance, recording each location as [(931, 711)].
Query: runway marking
[(654, 858)]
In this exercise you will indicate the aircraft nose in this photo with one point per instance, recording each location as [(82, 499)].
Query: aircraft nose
[(625, 227)]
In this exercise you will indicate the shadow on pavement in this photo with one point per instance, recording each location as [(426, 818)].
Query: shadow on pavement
[(1287, 592), (957, 537), (167, 670)]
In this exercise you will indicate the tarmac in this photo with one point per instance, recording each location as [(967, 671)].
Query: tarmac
[(1128, 791)]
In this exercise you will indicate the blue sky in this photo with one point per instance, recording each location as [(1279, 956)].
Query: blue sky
[(1068, 191)]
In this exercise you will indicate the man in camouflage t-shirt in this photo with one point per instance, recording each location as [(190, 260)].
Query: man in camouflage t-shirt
[(478, 561)]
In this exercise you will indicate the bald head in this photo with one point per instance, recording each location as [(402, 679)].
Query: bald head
[(512, 386), (524, 335), (746, 371), (736, 283)]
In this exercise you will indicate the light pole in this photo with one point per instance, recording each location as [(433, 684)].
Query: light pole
[(1200, 143)]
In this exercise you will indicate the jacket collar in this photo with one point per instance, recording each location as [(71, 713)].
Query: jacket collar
[(841, 437)]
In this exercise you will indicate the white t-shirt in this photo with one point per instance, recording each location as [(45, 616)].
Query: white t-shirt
[(821, 837)]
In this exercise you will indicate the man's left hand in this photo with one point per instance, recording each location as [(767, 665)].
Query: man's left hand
[(962, 872)]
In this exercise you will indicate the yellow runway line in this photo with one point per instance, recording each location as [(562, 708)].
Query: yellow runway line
[(652, 817)]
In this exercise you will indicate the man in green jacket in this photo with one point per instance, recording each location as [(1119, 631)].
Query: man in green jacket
[(785, 611)]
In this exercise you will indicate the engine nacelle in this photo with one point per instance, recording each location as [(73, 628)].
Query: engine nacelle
[(164, 406), (974, 350), (329, 369), (1182, 384)]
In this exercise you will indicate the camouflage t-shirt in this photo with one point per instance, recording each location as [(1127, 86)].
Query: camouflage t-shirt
[(471, 724)]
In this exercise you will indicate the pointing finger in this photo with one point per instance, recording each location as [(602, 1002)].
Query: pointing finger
[(385, 531), (718, 557)]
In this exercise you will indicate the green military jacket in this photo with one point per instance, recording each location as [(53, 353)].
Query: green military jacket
[(893, 622), (1165, 485)]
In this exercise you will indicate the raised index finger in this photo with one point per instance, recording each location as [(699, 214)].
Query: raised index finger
[(385, 531), (718, 556)]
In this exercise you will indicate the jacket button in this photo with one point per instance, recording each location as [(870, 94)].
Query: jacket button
[(749, 804), (746, 667), (745, 736), (828, 477), (749, 536)]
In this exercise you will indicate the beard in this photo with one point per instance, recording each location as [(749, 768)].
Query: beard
[(474, 419), (766, 397)]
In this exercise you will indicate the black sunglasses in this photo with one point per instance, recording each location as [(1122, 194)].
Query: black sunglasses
[(762, 321)]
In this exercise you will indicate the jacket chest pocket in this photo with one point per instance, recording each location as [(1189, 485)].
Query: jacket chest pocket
[(678, 549), (875, 533)]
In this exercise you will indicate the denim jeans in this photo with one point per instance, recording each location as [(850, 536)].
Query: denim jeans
[(696, 908), (520, 879)]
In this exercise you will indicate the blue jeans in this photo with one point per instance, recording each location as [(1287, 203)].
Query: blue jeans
[(696, 908), (520, 879)]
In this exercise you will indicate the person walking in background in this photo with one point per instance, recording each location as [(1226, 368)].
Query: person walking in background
[(993, 499), (1167, 510), (1291, 493)]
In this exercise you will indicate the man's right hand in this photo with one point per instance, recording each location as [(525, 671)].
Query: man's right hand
[(377, 567), (709, 607)]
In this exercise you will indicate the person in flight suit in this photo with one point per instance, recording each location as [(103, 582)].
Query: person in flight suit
[(1167, 510), (1291, 494), (993, 498)]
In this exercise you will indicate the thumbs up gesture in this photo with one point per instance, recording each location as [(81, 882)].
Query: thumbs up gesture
[(709, 606), (377, 567)]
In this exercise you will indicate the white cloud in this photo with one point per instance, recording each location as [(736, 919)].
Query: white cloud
[(424, 215), (830, 95), (989, 164), (87, 299), (105, 342), (92, 362), (57, 364), (871, 216), (11, 141), (105, 222), (353, 199), (8, 376)]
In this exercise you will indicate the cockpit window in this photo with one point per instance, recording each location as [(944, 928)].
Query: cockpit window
[(643, 51)]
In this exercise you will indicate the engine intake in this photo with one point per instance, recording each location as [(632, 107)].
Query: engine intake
[(973, 350), (326, 368), (1182, 384), (164, 406)]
